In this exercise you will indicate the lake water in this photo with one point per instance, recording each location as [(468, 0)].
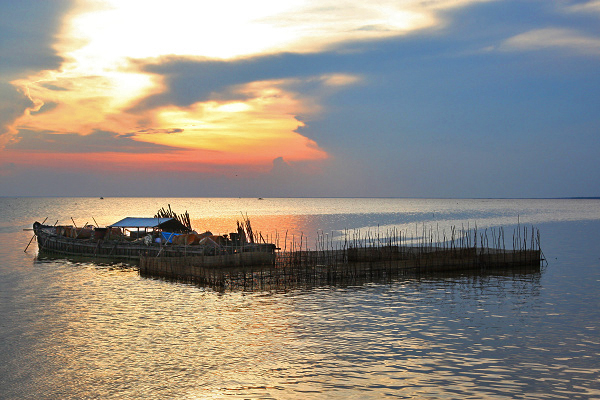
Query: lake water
[(78, 330)]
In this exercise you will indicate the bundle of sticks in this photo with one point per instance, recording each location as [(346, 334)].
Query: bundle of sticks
[(246, 228), (183, 218)]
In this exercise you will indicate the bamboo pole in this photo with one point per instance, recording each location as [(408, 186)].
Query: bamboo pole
[(31, 240)]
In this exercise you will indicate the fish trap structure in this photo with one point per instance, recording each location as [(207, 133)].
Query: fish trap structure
[(357, 258)]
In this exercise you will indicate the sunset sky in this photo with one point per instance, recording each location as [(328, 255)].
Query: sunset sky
[(404, 98)]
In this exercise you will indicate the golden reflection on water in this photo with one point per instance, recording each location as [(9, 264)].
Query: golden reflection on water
[(105, 332), (273, 228), (80, 330), (113, 333)]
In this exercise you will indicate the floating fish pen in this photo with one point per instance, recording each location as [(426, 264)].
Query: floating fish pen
[(358, 259)]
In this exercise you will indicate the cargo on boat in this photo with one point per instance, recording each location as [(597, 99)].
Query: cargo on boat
[(133, 237), (167, 246)]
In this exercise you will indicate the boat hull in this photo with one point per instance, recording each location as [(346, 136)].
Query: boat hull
[(49, 242)]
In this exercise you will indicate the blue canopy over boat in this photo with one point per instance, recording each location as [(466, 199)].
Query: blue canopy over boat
[(170, 224)]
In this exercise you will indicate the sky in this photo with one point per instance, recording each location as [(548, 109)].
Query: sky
[(300, 98)]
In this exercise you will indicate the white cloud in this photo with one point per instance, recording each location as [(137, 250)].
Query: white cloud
[(548, 38), (115, 29), (592, 6)]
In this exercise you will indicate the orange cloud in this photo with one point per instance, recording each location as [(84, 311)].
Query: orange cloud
[(255, 130), (83, 103), (98, 85), (252, 131), (187, 161)]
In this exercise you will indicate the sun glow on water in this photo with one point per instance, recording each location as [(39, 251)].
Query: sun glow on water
[(82, 330)]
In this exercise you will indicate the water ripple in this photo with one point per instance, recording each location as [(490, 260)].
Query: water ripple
[(86, 331)]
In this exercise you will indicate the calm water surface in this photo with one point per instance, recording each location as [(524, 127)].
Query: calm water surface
[(78, 330)]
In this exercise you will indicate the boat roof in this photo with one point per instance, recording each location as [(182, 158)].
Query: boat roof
[(170, 224)]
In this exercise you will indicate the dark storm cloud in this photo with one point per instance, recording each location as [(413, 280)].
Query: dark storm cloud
[(175, 130), (12, 104), (190, 80), (54, 87), (49, 106), (99, 141), (28, 30)]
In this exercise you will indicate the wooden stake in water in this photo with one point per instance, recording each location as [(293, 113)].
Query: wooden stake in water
[(31, 240)]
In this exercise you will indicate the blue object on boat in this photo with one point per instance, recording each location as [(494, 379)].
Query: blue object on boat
[(168, 236)]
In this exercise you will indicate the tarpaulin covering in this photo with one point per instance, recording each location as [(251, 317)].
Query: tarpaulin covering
[(170, 224)]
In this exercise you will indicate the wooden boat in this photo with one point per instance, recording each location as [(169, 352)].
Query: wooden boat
[(132, 238)]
